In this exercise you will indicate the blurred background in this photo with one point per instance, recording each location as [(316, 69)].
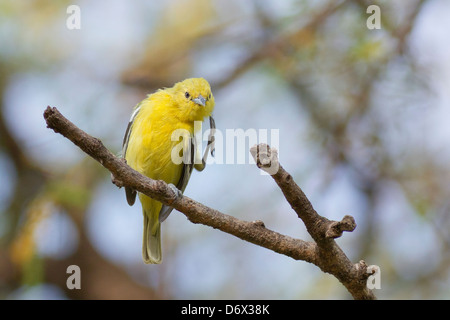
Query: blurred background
[(363, 118)]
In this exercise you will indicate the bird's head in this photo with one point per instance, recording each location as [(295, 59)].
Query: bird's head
[(194, 98)]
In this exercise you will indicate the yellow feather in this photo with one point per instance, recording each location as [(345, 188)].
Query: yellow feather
[(148, 147)]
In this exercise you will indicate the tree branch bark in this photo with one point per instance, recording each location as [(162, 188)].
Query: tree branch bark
[(323, 252)]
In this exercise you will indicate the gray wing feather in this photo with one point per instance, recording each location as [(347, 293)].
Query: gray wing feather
[(129, 192), (188, 165)]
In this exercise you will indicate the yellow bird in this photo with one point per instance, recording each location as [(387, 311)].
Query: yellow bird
[(159, 143)]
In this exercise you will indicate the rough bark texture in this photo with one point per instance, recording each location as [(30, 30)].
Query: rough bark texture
[(323, 252)]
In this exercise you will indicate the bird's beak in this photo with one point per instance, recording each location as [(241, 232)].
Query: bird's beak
[(200, 100)]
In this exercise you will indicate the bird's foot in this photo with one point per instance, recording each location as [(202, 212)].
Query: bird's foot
[(116, 181), (177, 191)]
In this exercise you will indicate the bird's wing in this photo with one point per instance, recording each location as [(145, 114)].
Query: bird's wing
[(129, 192), (188, 165)]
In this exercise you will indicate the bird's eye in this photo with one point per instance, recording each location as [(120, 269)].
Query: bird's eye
[(209, 97), (187, 95)]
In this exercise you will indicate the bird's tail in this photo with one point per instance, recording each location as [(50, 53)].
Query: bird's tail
[(151, 244)]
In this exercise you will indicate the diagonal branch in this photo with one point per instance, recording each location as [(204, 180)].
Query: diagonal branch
[(324, 252), (196, 212)]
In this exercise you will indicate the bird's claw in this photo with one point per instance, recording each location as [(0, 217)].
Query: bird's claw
[(116, 181), (177, 191)]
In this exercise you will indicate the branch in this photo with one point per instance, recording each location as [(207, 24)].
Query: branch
[(319, 228), (331, 258), (324, 252)]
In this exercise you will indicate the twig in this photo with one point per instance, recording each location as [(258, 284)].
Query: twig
[(324, 252)]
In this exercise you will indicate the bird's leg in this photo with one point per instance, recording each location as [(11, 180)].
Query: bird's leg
[(212, 126), (209, 146)]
